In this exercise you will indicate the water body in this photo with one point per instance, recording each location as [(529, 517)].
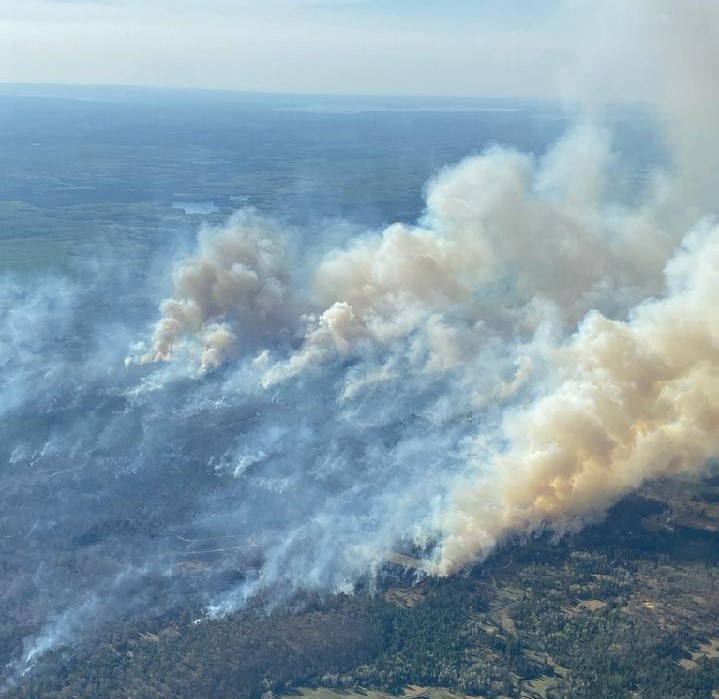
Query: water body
[(202, 208)]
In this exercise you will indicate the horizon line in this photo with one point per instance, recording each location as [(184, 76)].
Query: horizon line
[(282, 93)]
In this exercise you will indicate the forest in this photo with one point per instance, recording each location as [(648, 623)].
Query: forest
[(624, 609)]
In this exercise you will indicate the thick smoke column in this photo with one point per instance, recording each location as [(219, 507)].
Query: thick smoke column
[(632, 401), (623, 401)]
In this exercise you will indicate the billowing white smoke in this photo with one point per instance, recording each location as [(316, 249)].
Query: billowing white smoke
[(544, 266), (508, 248), (499, 225)]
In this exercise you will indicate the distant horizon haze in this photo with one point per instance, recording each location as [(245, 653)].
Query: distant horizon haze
[(291, 100), (531, 49)]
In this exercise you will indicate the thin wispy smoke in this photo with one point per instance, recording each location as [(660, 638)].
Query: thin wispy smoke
[(684, 38)]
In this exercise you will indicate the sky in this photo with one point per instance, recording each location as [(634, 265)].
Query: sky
[(418, 47), (568, 49)]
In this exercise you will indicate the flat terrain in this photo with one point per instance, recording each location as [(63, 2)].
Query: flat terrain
[(620, 610), (119, 525)]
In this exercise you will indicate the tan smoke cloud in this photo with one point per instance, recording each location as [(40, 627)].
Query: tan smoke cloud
[(541, 229), (234, 289), (549, 226), (385, 287), (625, 401), (626, 389), (218, 340), (483, 216), (633, 400)]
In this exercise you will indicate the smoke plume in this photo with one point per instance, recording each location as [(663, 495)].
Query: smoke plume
[(627, 402), (238, 274), (523, 281), (519, 301), (540, 343)]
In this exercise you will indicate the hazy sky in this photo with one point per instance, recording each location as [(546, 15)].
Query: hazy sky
[(439, 47)]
